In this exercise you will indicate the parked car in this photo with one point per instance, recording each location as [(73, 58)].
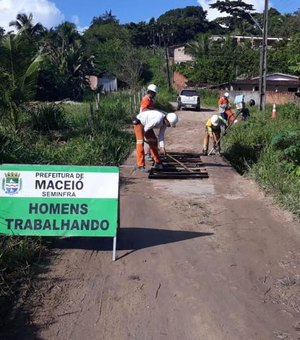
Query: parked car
[(188, 98)]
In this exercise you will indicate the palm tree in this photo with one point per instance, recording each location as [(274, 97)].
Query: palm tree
[(24, 24), (18, 75), (66, 55), (199, 47), (106, 18)]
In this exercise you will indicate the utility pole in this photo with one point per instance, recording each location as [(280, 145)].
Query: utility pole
[(263, 61), (168, 66), (165, 34)]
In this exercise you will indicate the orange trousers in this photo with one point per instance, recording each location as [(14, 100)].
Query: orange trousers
[(150, 138)]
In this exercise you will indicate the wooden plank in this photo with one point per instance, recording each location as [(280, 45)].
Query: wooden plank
[(177, 161), (176, 174), (178, 165)]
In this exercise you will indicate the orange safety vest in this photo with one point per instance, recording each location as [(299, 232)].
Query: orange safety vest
[(223, 102), (146, 103), (230, 115)]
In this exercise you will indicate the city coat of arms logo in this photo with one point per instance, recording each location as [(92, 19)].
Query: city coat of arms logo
[(12, 183)]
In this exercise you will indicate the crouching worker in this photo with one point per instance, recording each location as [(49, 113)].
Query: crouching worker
[(213, 131), (144, 124), (147, 103)]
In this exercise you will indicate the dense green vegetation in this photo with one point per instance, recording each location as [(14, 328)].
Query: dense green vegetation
[(136, 52), (269, 150)]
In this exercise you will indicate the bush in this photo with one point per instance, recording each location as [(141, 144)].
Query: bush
[(16, 253), (290, 112), (44, 118), (209, 97), (12, 147), (80, 136), (269, 149), (287, 145)]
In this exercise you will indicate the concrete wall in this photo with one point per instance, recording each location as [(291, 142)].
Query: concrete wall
[(271, 96), (180, 56), (179, 81), (280, 97), (255, 41)]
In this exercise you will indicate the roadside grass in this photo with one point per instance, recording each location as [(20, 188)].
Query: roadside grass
[(164, 98), (209, 97), (16, 256), (73, 134), (269, 150)]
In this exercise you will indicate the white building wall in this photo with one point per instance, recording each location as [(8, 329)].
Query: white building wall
[(180, 55)]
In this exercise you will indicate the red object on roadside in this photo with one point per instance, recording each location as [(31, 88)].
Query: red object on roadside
[(274, 112), (230, 115)]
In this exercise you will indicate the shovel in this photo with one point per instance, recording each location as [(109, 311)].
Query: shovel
[(218, 141), (178, 162)]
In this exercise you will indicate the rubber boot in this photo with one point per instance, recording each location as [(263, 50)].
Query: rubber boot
[(158, 166)]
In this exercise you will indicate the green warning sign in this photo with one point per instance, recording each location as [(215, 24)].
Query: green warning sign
[(45, 200)]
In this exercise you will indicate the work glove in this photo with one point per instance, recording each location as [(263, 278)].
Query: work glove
[(162, 150)]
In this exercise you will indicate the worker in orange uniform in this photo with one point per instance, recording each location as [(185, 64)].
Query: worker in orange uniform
[(230, 116), (144, 124), (148, 104), (224, 105), (147, 100), (213, 131)]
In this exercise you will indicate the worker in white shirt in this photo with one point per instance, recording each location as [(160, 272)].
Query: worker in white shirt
[(144, 124), (147, 103)]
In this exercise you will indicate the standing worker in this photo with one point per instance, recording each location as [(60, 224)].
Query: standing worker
[(148, 104), (224, 105), (245, 111), (147, 101), (213, 131), (144, 124)]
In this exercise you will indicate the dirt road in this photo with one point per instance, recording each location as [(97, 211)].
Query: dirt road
[(197, 259)]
